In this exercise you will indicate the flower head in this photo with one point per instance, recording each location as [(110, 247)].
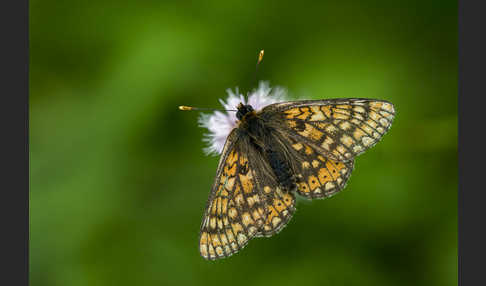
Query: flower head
[(220, 123)]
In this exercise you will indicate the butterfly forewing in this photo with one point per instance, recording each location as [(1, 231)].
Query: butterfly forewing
[(339, 129), (236, 210)]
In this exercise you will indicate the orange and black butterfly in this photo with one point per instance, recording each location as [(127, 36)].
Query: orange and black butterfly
[(304, 148)]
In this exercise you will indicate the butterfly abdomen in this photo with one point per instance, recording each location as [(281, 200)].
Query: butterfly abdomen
[(280, 167)]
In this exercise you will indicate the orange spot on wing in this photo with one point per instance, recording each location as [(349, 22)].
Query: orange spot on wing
[(324, 176), (214, 207), (279, 205), (341, 116), (232, 157), (204, 238), (297, 146), (334, 168), (305, 113), (236, 227), (291, 113), (344, 106), (246, 184), (230, 171), (218, 204), (303, 187), (376, 105), (292, 123), (326, 110), (313, 182), (243, 160), (287, 198), (273, 213), (358, 133), (314, 133), (229, 234), (308, 150), (237, 190), (256, 214), (321, 158), (224, 204)]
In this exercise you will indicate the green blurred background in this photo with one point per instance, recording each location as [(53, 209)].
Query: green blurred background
[(119, 181)]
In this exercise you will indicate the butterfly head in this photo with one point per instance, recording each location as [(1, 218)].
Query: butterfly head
[(243, 110)]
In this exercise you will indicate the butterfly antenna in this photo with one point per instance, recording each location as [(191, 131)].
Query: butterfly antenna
[(260, 58), (190, 108)]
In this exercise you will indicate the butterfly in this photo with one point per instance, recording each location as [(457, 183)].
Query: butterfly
[(291, 148)]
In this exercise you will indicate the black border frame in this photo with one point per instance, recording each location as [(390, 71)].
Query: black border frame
[(471, 196), (15, 196), (14, 210)]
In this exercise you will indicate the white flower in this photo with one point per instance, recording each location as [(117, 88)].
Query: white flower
[(220, 123)]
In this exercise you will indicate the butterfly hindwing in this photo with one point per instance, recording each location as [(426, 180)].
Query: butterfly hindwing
[(279, 202), (317, 176), (279, 210), (340, 129), (236, 209)]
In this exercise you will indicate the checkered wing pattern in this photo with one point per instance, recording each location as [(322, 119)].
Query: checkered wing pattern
[(246, 201), (279, 202), (279, 210), (319, 140), (317, 176), (339, 129), (236, 209)]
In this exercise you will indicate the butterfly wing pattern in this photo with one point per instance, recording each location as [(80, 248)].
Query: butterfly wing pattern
[(317, 176), (340, 129), (318, 138), (245, 201), (235, 210), (279, 203)]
